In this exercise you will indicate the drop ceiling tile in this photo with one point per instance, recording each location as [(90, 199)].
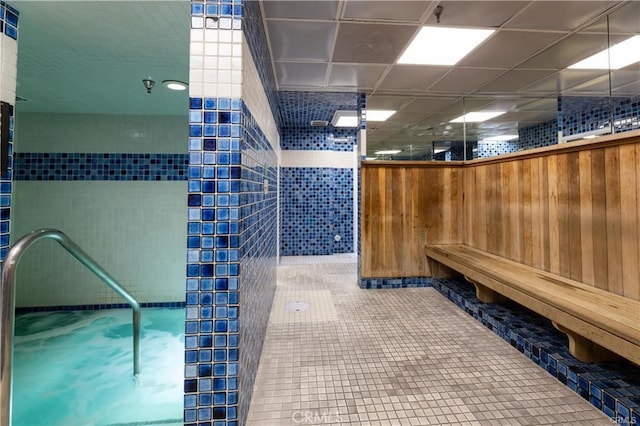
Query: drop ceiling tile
[(323, 9), (355, 76), (412, 77), (506, 49), (428, 104), (564, 80), (405, 118), (301, 40), (544, 104), (622, 21), (371, 43), (558, 15), (626, 82), (387, 102), (567, 52), (294, 74), (514, 80), (464, 80), (396, 10), (477, 13)]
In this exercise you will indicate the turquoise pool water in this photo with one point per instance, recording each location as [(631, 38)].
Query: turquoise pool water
[(76, 368)]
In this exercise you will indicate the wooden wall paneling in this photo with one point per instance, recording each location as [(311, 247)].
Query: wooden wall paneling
[(536, 213), (599, 214), (613, 218), (562, 184), (574, 237), (629, 221), (554, 217), (470, 206), (526, 212), (494, 219), (480, 198), (544, 204), (394, 205), (418, 182), (586, 218)]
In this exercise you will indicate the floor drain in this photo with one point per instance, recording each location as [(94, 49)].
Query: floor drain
[(297, 306)]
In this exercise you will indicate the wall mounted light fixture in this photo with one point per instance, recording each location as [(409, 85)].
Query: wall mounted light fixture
[(148, 84)]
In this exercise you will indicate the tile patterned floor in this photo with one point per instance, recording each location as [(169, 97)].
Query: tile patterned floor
[(393, 357)]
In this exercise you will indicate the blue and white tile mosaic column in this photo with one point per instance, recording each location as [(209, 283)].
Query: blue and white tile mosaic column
[(8, 75), (232, 218)]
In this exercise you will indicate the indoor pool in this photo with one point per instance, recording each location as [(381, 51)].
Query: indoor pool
[(76, 368)]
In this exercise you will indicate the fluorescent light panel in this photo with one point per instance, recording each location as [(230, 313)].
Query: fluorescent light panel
[(500, 138), (342, 118), (620, 55), (442, 45), (379, 114), (388, 152), (477, 117)]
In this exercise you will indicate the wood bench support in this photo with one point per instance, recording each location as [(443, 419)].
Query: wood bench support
[(584, 349), (485, 294)]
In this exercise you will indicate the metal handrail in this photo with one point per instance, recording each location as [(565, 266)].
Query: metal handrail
[(8, 306)]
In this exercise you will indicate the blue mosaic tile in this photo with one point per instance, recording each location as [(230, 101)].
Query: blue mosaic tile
[(404, 282), (5, 192), (319, 139), (316, 204), (582, 114), (231, 251), (100, 166), (297, 109), (9, 20), (494, 148), (543, 134)]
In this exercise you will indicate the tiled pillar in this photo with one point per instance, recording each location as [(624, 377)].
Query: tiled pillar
[(232, 218), (8, 75)]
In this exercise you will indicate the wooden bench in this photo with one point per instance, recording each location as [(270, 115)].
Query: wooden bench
[(600, 325)]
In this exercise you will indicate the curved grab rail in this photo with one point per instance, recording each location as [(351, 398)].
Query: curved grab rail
[(8, 306)]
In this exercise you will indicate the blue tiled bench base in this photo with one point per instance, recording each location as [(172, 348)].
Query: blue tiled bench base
[(613, 388)]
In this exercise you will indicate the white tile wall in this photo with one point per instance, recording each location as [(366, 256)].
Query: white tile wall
[(290, 158), (8, 69), (135, 230), (43, 132), (215, 62), (256, 100)]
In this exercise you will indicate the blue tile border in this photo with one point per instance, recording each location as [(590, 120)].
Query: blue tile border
[(95, 307), (63, 166), (404, 282), (6, 188)]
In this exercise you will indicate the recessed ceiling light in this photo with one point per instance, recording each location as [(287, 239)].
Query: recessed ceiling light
[(442, 45), (342, 118), (175, 85), (379, 114), (388, 152), (616, 57), (500, 138), (477, 117)]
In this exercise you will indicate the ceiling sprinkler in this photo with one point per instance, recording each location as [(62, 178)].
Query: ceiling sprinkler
[(438, 12), (148, 84)]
